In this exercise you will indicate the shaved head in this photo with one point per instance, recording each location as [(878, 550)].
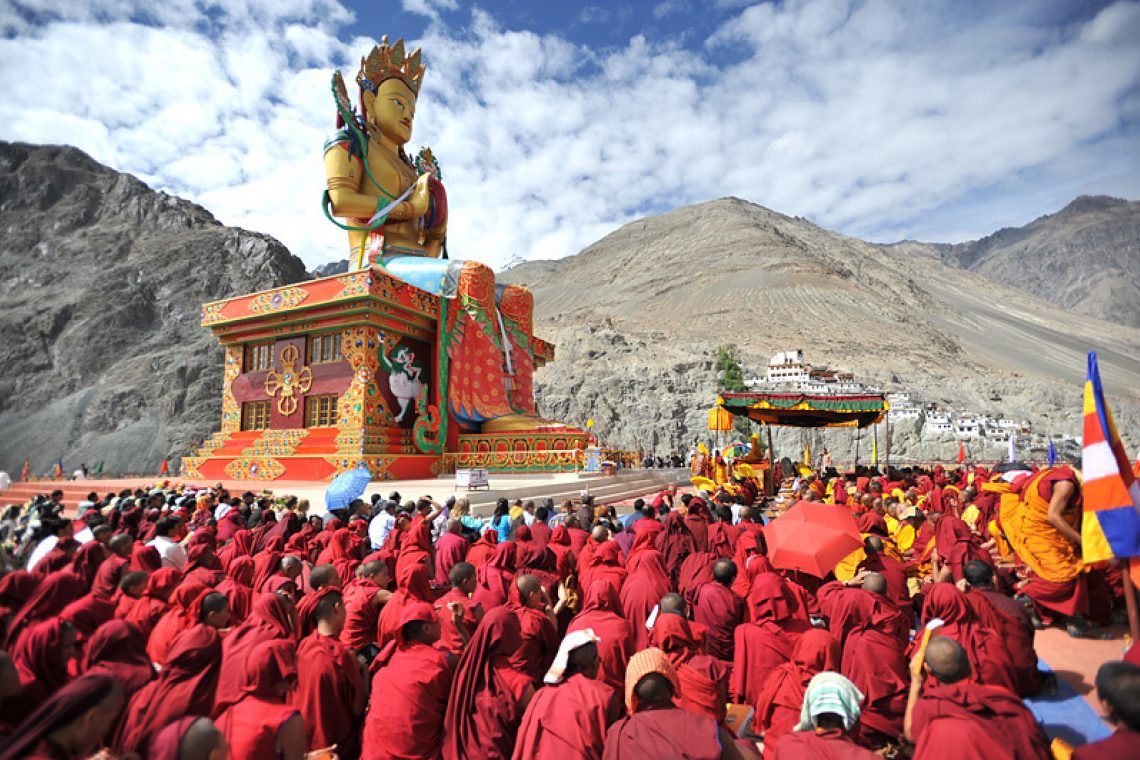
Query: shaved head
[(873, 545), (654, 689), (323, 575), (600, 533), (291, 566), (947, 659), (875, 583), (202, 739), (673, 604), (528, 584)]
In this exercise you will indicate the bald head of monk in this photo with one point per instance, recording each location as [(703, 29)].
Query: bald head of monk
[(122, 545), (330, 614), (875, 583), (947, 660), (134, 583), (291, 566), (978, 574), (215, 610), (455, 525), (323, 575), (654, 690), (375, 571), (873, 545), (530, 592), (724, 571), (600, 534), (204, 740), (674, 604)]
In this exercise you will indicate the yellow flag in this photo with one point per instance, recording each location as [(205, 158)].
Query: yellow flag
[(875, 451), (807, 455)]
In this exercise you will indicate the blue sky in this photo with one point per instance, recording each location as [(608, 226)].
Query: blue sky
[(557, 122)]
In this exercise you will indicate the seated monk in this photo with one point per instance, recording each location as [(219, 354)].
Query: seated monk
[(1009, 619), (893, 571), (568, 718), (538, 620), (1044, 530), (412, 678), (988, 655), (765, 642), (364, 597), (720, 610), (952, 712), (703, 679), (782, 698), (330, 693), (454, 636), (189, 736), (830, 712), (655, 728), (1118, 689), (261, 723), (70, 724), (451, 548), (602, 613)]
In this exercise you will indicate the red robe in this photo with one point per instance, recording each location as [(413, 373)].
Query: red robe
[(821, 745), (1011, 622), (482, 549), (703, 679), (411, 586), (41, 667), (997, 711), (153, 604), (181, 616), (1123, 743), (495, 578), (118, 650), (778, 708), (253, 722), (451, 549), (602, 614), (186, 686), (271, 619), (720, 611), (328, 687), (989, 658), (450, 640), (362, 612), (568, 721), (664, 732), (238, 588), (414, 680), (539, 640), (644, 586)]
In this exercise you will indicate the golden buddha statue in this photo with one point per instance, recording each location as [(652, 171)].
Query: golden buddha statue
[(396, 212)]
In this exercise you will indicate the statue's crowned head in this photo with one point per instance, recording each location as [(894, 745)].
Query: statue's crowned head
[(389, 84)]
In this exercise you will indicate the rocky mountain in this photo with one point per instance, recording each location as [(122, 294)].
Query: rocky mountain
[(1085, 257), (104, 278), (638, 315)]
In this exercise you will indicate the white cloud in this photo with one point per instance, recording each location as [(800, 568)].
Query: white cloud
[(874, 118), (429, 8)]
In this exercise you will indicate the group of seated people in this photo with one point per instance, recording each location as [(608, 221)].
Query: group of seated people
[(193, 624)]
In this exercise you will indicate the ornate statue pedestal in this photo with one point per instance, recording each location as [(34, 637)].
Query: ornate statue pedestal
[(326, 373)]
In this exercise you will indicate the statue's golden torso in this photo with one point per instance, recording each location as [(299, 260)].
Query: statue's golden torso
[(395, 176)]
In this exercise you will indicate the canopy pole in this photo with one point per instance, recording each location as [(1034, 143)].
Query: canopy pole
[(772, 461)]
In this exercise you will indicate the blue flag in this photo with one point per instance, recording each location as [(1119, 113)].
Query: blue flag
[(1052, 454)]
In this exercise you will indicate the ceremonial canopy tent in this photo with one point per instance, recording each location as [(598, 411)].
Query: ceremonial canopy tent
[(807, 410)]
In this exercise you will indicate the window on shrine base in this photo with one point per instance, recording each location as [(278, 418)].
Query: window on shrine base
[(320, 411), (255, 415), (324, 349), (258, 357)]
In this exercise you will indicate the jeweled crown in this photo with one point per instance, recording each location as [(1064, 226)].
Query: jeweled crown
[(387, 62)]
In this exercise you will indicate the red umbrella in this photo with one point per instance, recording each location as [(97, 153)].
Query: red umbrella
[(812, 537)]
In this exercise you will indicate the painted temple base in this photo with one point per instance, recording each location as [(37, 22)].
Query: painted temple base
[(325, 373)]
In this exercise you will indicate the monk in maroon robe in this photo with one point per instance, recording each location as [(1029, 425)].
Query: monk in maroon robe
[(1118, 689), (494, 579), (828, 719), (455, 635), (69, 725), (118, 650), (50, 596), (989, 659), (364, 597), (601, 613), (675, 543), (644, 586), (186, 686), (782, 697), (414, 679), (412, 586), (767, 641), (655, 727), (481, 551), (330, 693), (1012, 623), (238, 587), (488, 695), (567, 719), (273, 617), (946, 693), (154, 602), (605, 564), (531, 605), (40, 657), (703, 679), (720, 610), (183, 613), (260, 722), (451, 548)]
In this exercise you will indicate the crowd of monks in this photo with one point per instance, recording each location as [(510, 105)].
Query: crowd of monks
[(196, 625)]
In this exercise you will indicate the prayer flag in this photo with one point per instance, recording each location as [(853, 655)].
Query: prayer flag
[(961, 452), (98, 468), (807, 455), (27, 471), (1052, 454), (165, 469), (1110, 526), (57, 471), (1012, 447)]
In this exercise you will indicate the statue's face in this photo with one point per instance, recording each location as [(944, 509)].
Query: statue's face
[(393, 110)]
